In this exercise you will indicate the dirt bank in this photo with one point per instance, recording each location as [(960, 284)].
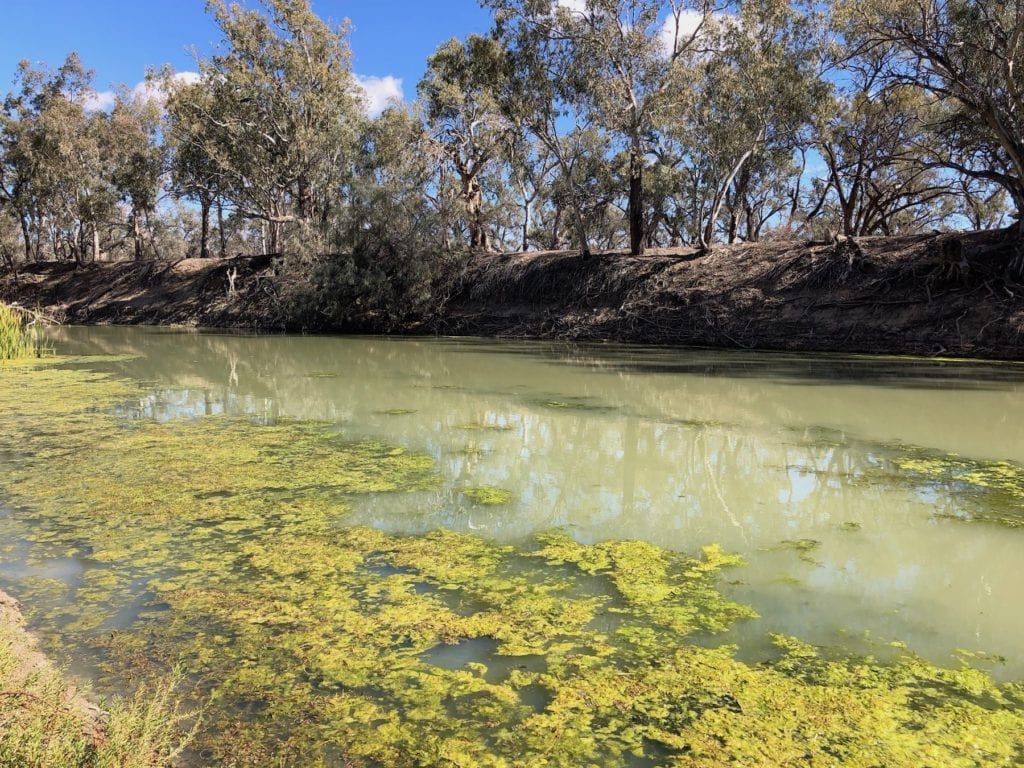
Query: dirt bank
[(942, 295)]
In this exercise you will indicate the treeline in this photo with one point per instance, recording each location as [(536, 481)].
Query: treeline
[(575, 124)]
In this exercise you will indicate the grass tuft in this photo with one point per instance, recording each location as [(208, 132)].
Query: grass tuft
[(20, 335)]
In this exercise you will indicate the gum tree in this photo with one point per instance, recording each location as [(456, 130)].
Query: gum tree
[(968, 56), (278, 120), (460, 93)]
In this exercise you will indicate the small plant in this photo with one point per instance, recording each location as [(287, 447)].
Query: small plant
[(44, 722), (20, 333)]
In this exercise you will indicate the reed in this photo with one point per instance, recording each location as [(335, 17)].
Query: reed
[(20, 333)]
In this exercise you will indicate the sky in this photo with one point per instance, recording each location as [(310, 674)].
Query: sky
[(119, 39)]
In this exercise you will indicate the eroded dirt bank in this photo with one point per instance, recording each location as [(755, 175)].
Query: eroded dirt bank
[(945, 295)]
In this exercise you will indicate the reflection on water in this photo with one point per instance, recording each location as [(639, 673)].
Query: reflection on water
[(678, 448)]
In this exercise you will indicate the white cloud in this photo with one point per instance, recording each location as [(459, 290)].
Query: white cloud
[(379, 93), (678, 30), (574, 6), (101, 101)]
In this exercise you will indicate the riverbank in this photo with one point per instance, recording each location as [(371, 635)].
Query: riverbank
[(40, 714), (47, 722), (938, 295)]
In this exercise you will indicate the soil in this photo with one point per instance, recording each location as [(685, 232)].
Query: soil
[(945, 294)]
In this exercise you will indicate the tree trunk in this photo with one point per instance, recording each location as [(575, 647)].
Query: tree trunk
[(27, 235), (581, 232), (635, 208), (734, 225), (137, 239), (556, 229), (526, 228), (1017, 259), (526, 218), (204, 227), (95, 242), (472, 195), (222, 236), (78, 246), (273, 237), (708, 235)]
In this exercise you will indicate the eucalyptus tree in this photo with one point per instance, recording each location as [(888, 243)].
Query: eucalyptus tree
[(78, 173), (761, 193), (193, 136), (383, 265), (137, 160), (757, 89), (872, 150), (967, 55), (42, 125), (541, 92), (985, 205), (530, 167), (57, 174), (629, 54), (461, 92), (19, 159), (278, 115)]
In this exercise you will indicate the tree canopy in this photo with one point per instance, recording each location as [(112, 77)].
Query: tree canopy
[(582, 124)]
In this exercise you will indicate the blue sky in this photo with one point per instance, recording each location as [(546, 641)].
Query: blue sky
[(120, 38)]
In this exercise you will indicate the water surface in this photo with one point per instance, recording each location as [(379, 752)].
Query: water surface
[(804, 465)]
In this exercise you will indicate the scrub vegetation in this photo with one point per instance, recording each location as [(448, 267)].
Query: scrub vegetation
[(45, 721), (221, 547)]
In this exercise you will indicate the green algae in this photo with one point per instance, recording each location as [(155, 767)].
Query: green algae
[(993, 491), (561, 403), (481, 426), (396, 412), (488, 495), (803, 548), (222, 544)]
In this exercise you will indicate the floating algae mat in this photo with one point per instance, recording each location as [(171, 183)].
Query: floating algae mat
[(222, 546), (993, 491)]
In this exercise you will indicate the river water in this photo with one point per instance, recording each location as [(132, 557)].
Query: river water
[(680, 448), (792, 461)]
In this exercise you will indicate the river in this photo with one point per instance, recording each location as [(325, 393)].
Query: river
[(874, 501)]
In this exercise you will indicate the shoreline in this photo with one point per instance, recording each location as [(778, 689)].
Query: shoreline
[(30, 665), (939, 295)]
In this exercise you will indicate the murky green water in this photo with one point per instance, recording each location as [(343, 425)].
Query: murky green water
[(872, 500)]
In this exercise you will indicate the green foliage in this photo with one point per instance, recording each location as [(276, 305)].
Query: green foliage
[(272, 122), (488, 495), (966, 57), (44, 722), (19, 337), (387, 263)]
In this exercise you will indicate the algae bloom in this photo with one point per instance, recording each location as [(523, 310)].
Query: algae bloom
[(488, 495), (225, 546)]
